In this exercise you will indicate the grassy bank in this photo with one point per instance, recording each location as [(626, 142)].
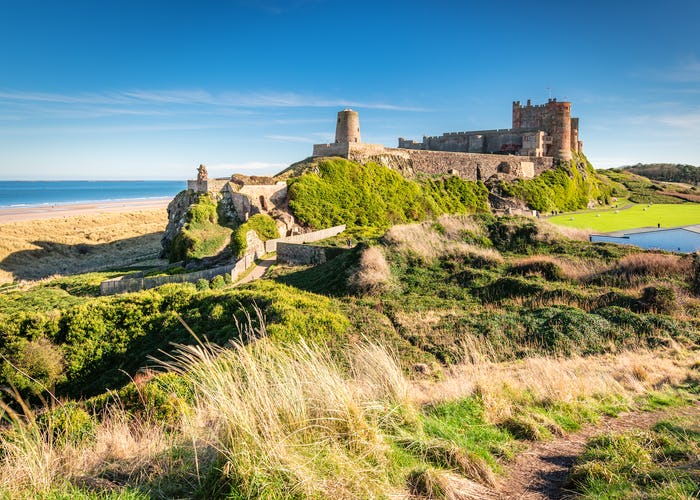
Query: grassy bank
[(420, 364), (267, 420), (656, 463)]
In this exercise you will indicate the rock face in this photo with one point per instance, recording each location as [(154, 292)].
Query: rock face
[(236, 202), (177, 213)]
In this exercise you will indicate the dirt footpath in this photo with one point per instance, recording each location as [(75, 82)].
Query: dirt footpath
[(540, 471)]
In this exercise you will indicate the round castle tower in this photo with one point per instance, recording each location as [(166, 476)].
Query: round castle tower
[(347, 128), (560, 129)]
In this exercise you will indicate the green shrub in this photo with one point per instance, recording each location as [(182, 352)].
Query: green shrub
[(218, 282), (34, 367), (371, 195), (68, 423), (263, 225), (567, 187), (202, 234)]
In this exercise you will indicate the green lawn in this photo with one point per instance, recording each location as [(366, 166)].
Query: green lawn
[(637, 216)]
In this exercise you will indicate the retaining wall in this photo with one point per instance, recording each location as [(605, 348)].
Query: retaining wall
[(122, 285), (271, 245)]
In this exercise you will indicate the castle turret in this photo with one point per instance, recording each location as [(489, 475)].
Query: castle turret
[(574, 135), (347, 128), (559, 127)]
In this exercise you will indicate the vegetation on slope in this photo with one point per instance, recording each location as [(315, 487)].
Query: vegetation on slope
[(344, 192), (263, 225), (202, 235), (640, 189), (83, 346), (460, 301), (570, 186), (667, 172), (273, 420), (658, 463)]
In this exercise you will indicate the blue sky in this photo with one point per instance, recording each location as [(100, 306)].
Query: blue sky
[(149, 90)]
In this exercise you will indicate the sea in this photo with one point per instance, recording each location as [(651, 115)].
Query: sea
[(46, 193)]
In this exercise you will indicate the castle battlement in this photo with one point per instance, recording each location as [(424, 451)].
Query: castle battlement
[(540, 134)]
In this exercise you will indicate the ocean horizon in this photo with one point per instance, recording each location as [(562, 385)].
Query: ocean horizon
[(46, 193)]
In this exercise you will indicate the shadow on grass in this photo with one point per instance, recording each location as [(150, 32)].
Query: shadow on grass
[(58, 258)]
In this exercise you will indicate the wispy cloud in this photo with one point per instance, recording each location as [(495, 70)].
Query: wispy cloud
[(109, 129), (313, 138), (198, 98), (684, 71)]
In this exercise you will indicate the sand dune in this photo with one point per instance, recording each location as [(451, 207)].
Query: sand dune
[(68, 239)]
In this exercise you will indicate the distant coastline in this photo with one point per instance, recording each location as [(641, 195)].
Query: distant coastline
[(64, 210), (47, 194)]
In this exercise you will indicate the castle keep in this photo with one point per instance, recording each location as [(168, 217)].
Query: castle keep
[(544, 130), (540, 134)]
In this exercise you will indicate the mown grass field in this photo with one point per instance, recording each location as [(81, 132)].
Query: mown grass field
[(633, 217)]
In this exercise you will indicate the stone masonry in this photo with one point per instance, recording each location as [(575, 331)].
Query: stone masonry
[(541, 134)]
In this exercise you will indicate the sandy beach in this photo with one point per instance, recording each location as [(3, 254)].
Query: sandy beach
[(36, 242), (18, 214)]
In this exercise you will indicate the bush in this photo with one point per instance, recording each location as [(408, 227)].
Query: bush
[(37, 366), (372, 276), (68, 423), (263, 225), (371, 195), (567, 187), (218, 282)]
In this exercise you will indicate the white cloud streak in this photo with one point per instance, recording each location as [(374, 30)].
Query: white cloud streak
[(197, 98)]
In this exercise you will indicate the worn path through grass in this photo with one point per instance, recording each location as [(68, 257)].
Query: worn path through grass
[(540, 471)]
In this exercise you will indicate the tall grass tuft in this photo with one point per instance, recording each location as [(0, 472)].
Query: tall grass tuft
[(428, 241), (372, 275), (293, 419), (635, 268)]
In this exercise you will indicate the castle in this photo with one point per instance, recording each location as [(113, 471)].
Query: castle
[(540, 135)]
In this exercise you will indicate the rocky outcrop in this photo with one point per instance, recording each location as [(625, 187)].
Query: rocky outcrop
[(177, 217)]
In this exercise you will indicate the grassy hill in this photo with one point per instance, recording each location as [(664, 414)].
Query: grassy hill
[(667, 172), (416, 365)]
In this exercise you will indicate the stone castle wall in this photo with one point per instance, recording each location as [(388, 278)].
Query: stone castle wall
[(471, 166)]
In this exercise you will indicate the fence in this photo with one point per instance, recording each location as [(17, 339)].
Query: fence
[(121, 284)]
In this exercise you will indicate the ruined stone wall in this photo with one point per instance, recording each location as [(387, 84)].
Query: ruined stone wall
[(300, 255), (255, 199), (208, 185)]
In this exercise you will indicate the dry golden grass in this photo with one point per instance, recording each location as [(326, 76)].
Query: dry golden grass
[(549, 379), (422, 240), (34, 249), (373, 275), (652, 264), (549, 231)]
